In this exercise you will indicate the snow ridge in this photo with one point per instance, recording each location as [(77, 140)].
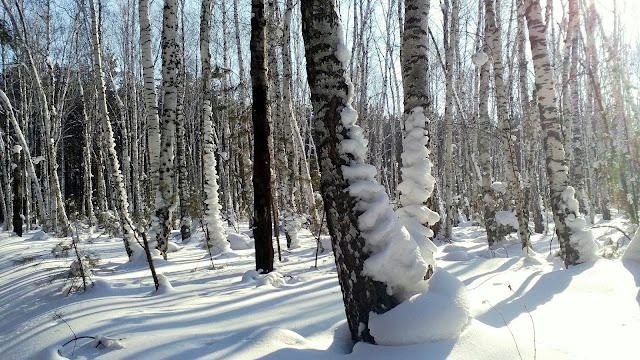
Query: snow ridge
[(395, 258)]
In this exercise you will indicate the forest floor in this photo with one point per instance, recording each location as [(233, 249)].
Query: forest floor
[(590, 311)]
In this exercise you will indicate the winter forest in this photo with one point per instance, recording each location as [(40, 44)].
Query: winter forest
[(319, 179)]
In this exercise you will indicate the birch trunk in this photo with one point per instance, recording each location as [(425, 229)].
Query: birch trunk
[(576, 244), (121, 200), (150, 98), (216, 240), (417, 182), (347, 183), (448, 118), (165, 198), (504, 123)]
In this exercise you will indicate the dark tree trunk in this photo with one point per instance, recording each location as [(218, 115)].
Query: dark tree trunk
[(329, 92), (261, 159), (18, 191)]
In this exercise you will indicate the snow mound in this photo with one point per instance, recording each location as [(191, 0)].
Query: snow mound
[(452, 248), (274, 279), (499, 187), (632, 251), (52, 353), (581, 239), (269, 343), (278, 336), (250, 275), (39, 236), (458, 255), (104, 343), (507, 219), (100, 287), (171, 247), (239, 241), (437, 314), (165, 286)]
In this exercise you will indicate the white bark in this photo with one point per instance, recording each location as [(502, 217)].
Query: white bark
[(576, 243), (448, 118), (150, 98), (417, 182), (122, 202), (492, 35), (216, 240)]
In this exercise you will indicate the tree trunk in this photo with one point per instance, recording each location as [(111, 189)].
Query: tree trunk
[(512, 174), (121, 199), (216, 240), (417, 182), (150, 98), (357, 208), (165, 197), (576, 244), (452, 44), (261, 156), (18, 189)]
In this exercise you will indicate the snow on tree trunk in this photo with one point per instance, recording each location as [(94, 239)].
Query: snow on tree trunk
[(261, 155), (417, 182), (484, 145), (378, 262), (576, 243), (122, 203), (165, 197), (504, 123)]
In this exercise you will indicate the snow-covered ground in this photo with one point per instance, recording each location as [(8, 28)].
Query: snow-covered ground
[(590, 311)]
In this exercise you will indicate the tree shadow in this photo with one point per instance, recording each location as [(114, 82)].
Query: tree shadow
[(545, 288)]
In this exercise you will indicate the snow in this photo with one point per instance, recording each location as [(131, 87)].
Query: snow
[(479, 58), (16, 149), (438, 314), (239, 241), (298, 313), (633, 250), (507, 218), (581, 239), (500, 187)]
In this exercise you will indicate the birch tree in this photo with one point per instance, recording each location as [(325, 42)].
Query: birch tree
[(576, 243), (492, 35), (122, 202), (150, 98), (361, 223), (417, 182), (165, 198), (450, 51), (216, 240)]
